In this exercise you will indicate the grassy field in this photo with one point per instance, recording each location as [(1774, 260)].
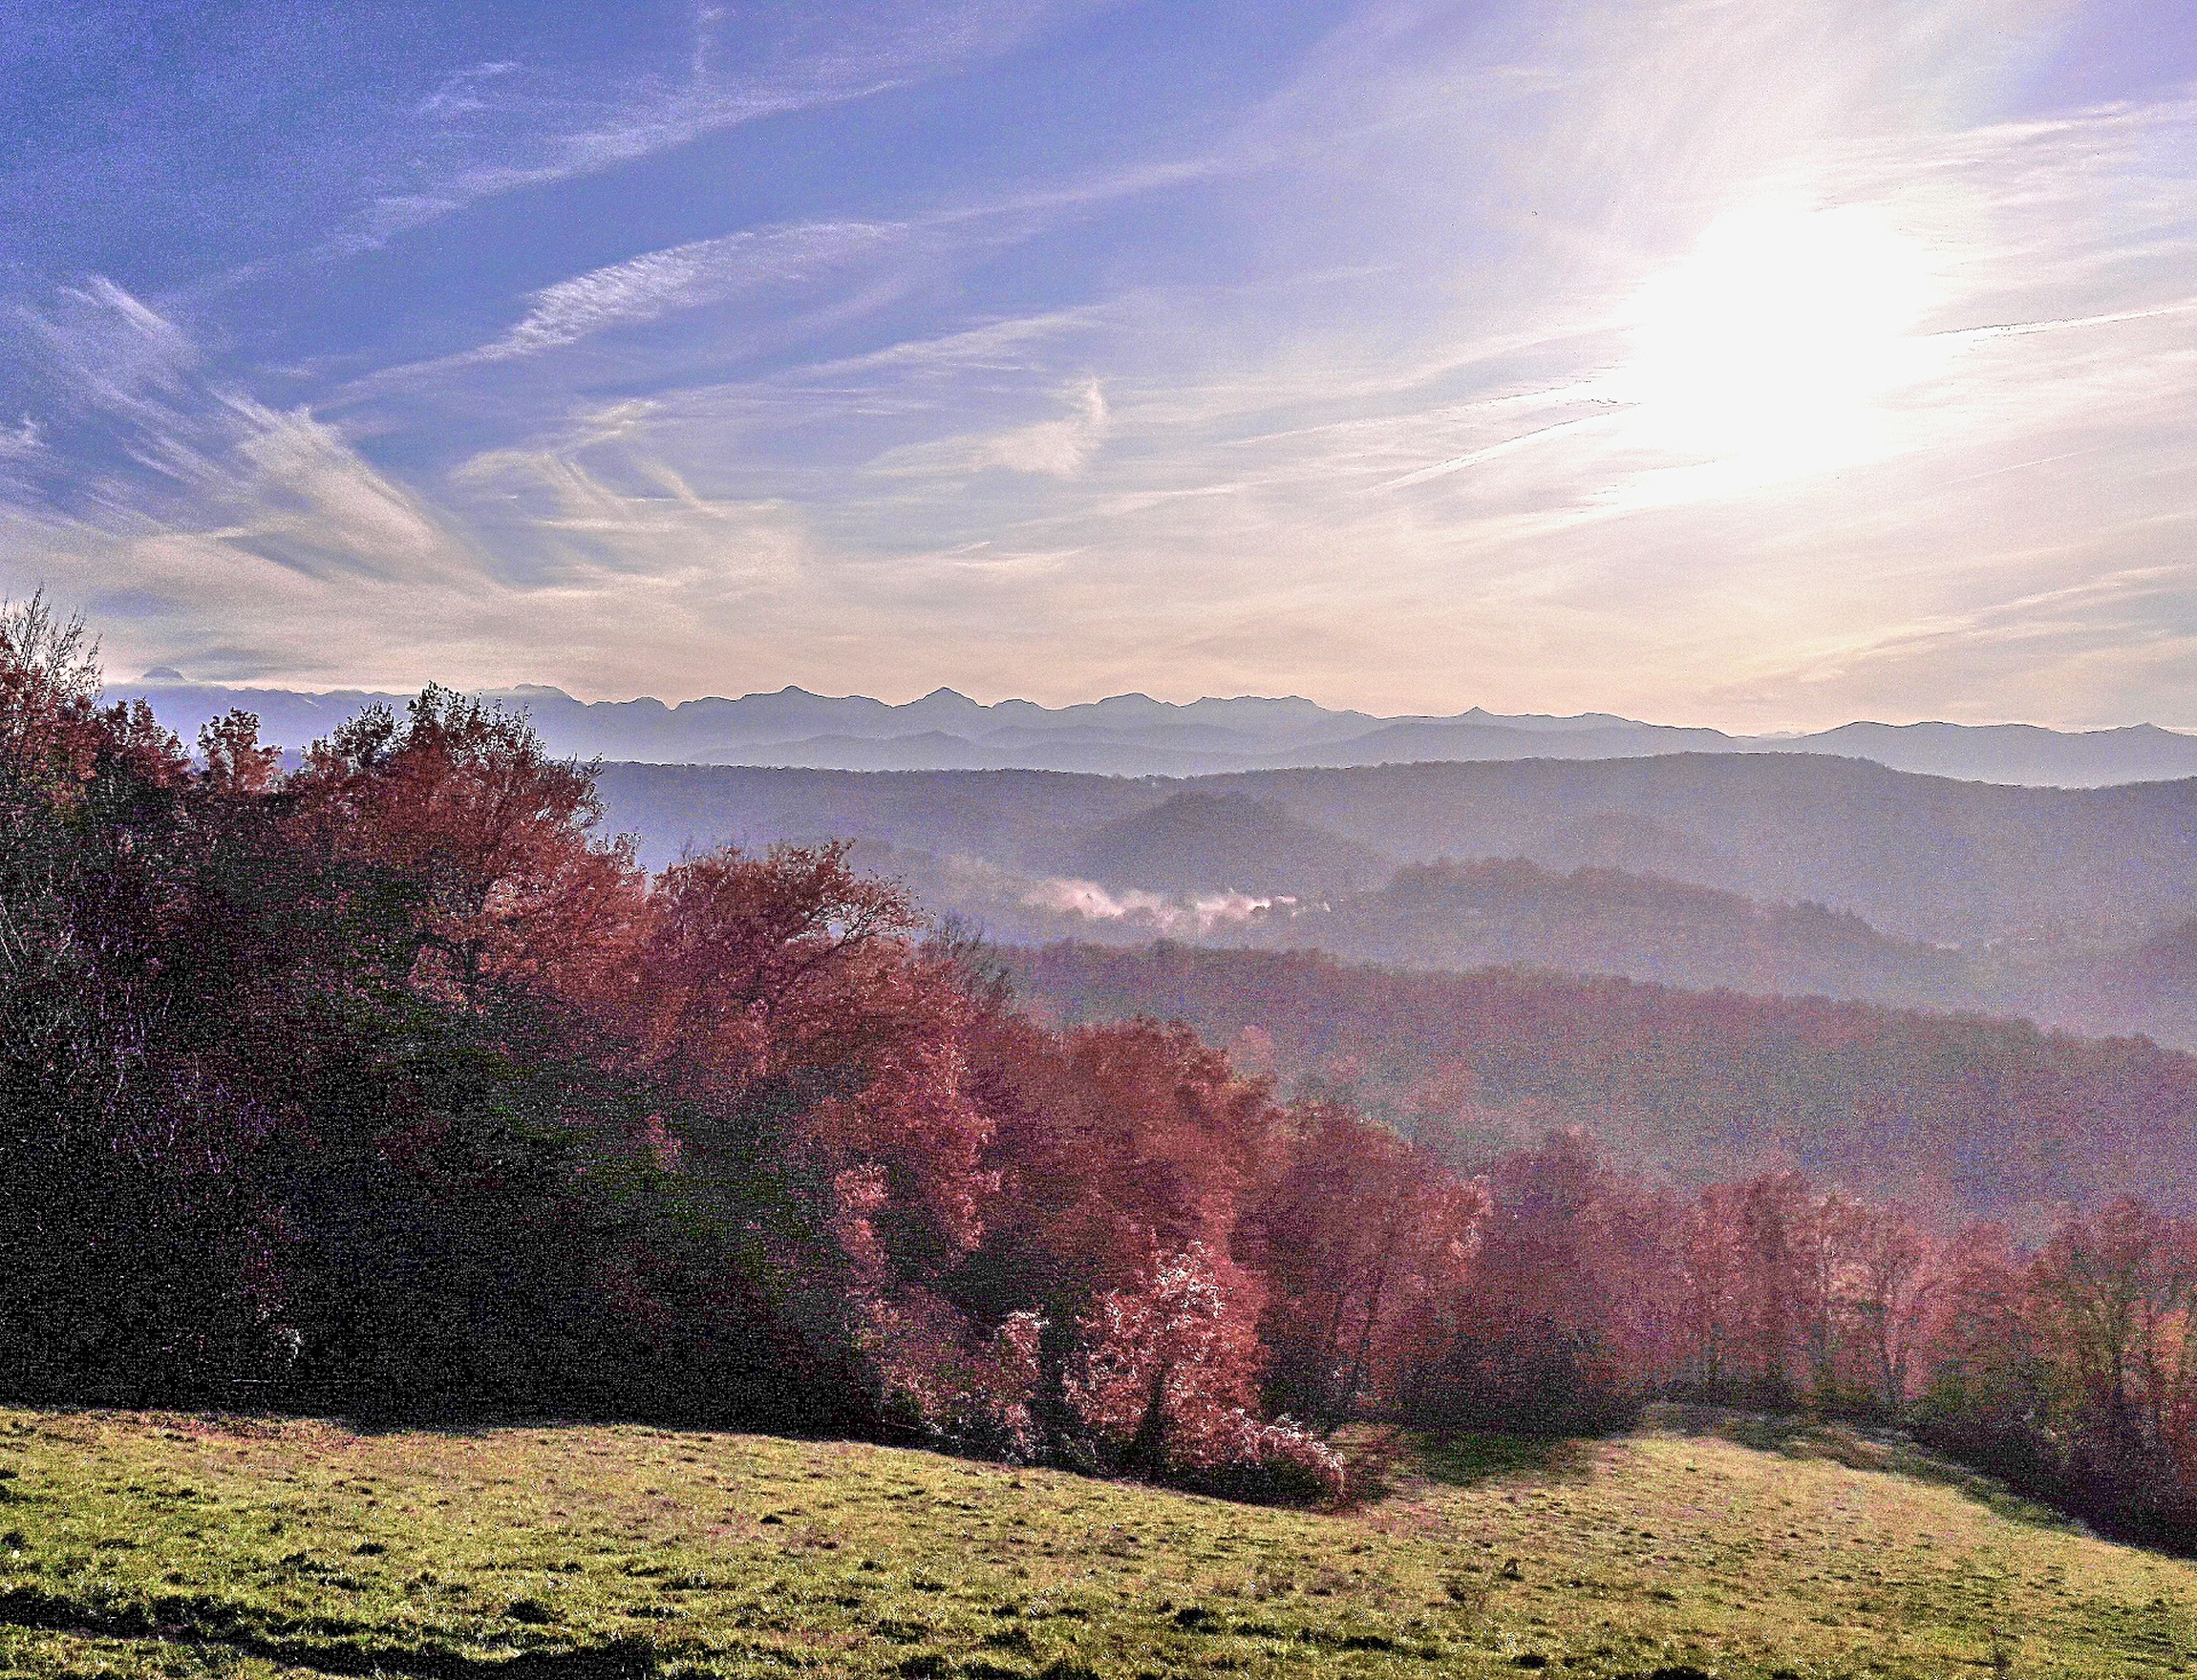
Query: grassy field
[(144, 1544)]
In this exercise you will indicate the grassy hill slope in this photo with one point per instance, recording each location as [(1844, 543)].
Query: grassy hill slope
[(142, 1544)]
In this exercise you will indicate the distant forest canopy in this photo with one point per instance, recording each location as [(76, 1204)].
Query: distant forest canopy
[(384, 1082), (1132, 734), (1964, 1117), (1780, 875)]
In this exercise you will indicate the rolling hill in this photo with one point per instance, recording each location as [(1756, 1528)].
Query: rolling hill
[(1918, 858), (1595, 921), (1200, 841), (1780, 875), (1704, 1545)]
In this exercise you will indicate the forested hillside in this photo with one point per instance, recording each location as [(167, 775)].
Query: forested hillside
[(1965, 1116), (1915, 856), (1596, 921), (1198, 841)]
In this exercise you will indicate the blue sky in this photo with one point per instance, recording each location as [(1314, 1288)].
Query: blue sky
[(1749, 362)]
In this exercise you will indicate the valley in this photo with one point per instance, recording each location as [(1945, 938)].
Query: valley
[(1769, 874)]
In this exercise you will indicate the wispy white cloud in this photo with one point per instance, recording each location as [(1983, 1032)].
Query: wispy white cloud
[(306, 498), (1061, 448), (784, 266), (109, 350), (501, 130), (21, 442), (688, 276), (648, 524), (279, 483)]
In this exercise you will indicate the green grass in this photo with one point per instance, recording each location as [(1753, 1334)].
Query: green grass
[(138, 1544)]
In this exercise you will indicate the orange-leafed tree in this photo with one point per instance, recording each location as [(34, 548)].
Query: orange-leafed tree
[(1888, 1283), (50, 686), (2111, 1297), (808, 1051), (233, 760), (787, 997), (1116, 1143)]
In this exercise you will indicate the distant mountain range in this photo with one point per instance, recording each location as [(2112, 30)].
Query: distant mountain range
[(1132, 734), (1771, 874), (1591, 844)]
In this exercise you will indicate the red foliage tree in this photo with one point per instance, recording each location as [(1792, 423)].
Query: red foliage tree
[(1885, 1284), (235, 764), (1772, 1216), (1168, 1382), (1566, 1317), (50, 682), (1363, 1239), (2112, 1296), (459, 799), (1119, 1142), (792, 986)]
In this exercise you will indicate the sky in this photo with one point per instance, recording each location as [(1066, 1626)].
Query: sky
[(1754, 363)]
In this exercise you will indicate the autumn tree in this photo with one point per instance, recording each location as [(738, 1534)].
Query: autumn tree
[(1166, 1382), (136, 1253), (1772, 1215), (1114, 1143), (50, 686), (233, 761), (1887, 1284), (1362, 1241), (2113, 1293), (494, 838), (1565, 1315)]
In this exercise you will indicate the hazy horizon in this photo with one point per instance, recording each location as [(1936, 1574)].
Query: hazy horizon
[(161, 676)]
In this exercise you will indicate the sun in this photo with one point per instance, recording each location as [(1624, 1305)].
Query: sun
[(1770, 349)]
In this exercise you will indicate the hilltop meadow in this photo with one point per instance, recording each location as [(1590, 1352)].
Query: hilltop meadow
[(144, 1545)]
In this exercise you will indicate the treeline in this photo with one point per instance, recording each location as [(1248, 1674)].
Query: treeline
[(2059, 1356), (1971, 1117), (386, 1085), (2068, 1367)]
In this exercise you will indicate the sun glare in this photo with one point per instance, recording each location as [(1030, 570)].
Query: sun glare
[(1770, 349)]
